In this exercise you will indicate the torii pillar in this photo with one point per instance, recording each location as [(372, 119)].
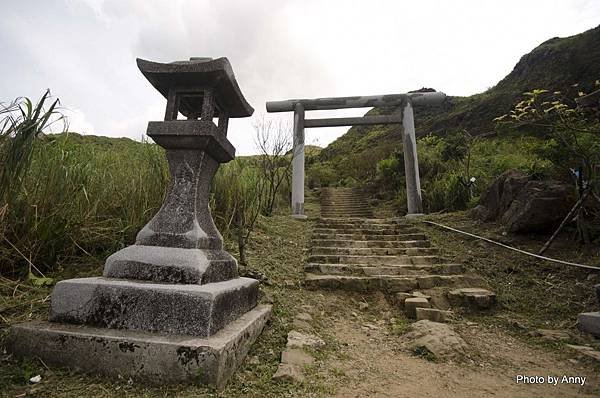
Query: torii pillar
[(406, 118)]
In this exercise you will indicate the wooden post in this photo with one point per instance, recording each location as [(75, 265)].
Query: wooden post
[(298, 163), (411, 162)]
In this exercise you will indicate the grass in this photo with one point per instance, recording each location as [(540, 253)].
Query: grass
[(282, 237), (533, 294)]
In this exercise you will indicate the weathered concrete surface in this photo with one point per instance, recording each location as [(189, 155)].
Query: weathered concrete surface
[(589, 322), (184, 220), (149, 357), (198, 72), (195, 310), (171, 265)]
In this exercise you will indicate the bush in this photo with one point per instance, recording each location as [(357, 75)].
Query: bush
[(321, 175)]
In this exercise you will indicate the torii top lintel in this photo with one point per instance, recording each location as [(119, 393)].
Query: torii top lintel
[(194, 77), (429, 98)]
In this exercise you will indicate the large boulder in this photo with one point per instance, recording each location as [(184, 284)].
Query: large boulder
[(522, 204)]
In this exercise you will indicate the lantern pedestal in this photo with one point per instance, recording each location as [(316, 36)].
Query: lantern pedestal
[(171, 307)]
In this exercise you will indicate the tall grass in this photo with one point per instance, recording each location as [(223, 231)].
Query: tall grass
[(69, 199), (77, 201)]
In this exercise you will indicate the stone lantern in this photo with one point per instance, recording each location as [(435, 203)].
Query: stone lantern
[(171, 307)]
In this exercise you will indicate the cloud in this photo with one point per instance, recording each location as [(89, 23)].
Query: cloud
[(85, 50)]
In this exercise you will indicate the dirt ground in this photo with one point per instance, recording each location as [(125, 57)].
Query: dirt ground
[(371, 361), (364, 354)]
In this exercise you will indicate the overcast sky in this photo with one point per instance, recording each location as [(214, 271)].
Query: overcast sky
[(85, 50)]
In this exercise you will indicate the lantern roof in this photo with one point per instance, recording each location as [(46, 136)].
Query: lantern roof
[(196, 76)]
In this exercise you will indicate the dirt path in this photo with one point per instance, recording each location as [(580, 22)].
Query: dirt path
[(372, 363)]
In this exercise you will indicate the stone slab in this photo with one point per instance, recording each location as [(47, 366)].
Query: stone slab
[(432, 314), (171, 265), (197, 310), (144, 357), (472, 298), (589, 322), (411, 304)]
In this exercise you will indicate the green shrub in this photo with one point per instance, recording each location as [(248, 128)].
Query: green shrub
[(320, 175)]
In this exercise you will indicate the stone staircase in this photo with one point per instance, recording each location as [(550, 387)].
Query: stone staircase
[(344, 202), (390, 255)]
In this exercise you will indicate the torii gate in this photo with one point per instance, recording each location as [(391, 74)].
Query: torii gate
[(405, 118)]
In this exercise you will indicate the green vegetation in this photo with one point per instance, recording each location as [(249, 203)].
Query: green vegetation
[(461, 140), (69, 200)]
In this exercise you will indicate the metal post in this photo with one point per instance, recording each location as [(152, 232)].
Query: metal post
[(298, 163), (411, 162)]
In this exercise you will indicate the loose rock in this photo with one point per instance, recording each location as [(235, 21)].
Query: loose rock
[(433, 314), (295, 356), (472, 298), (299, 340), (287, 372), (437, 338)]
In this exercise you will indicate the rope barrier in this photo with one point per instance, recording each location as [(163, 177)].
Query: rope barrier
[(513, 248)]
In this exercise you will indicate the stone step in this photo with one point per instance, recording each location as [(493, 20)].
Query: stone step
[(346, 212), (343, 199), (391, 284), (354, 269), (345, 206), (341, 208), (362, 226), (360, 221), (378, 251), (370, 237), (370, 243), (343, 195), (374, 260), (367, 231), (343, 215)]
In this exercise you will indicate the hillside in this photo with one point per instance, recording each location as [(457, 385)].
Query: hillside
[(556, 64)]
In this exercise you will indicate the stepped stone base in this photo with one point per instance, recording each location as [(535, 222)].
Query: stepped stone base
[(171, 265), (147, 357), (195, 310)]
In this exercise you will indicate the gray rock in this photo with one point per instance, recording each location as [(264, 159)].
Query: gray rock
[(295, 356), (288, 373), (589, 322), (432, 314), (472, 298), (439, 339), (525, 205), (296, 339)]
